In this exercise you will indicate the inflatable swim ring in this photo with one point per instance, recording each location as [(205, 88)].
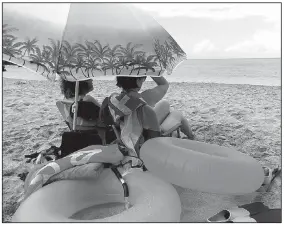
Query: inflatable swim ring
[(151, 199), (201, 166)]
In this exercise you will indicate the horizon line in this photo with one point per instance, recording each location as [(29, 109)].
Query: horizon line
[(229, 58)]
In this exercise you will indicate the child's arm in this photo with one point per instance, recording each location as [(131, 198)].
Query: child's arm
[(154, 95)]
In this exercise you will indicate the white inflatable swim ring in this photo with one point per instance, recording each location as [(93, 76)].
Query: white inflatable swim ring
[(201, 166), (151, 199)]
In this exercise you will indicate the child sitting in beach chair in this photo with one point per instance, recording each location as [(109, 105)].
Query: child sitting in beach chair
[(89, 131), (171, 121), (88, 110), (132, 118), (83, 122)]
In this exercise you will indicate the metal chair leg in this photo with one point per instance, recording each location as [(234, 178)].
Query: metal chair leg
[(178, 132)]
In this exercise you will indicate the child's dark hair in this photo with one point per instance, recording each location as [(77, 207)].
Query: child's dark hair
[(127, 83), (68, 87)]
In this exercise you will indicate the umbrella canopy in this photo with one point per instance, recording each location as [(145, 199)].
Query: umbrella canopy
[(95, 39)]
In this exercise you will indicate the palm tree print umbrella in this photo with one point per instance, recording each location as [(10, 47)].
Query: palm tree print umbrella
[(98, 40), (28, 46)]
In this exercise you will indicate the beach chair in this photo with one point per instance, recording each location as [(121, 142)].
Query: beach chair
[(171, 126), (86, 110), (89, 112), (61, 105), (73, 140), (170, 121)]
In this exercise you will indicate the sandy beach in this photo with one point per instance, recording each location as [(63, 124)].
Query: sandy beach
[(244, 117)]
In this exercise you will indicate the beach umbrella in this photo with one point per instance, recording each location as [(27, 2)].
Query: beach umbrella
[(90, 40)]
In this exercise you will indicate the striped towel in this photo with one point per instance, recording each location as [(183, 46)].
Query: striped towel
[(124, 109)]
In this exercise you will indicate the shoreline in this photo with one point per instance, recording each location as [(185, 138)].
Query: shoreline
[(171, 82), (240, 72)]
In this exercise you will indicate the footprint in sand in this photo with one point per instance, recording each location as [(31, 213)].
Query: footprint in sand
[(270, 120), (26, 103), (204, 111), (36, 146), (17, 159), (213, 109), (27, 137), (10, 151), (7, 143), (20, 82), (238, 126), (52, 118), (11, 105), (46, 133), (264, 154), (8, 172)]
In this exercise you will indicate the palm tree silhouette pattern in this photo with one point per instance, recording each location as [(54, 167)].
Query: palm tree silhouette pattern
[(28, 46), (69, 60)]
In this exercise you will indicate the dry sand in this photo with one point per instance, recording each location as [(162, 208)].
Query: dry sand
[(245, 117)]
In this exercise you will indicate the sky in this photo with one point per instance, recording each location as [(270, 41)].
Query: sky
[(204, 31)]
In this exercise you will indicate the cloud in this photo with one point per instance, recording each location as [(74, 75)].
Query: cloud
[(53, 12), (205, 46), (229, 30), (263, 42), (218, 11)]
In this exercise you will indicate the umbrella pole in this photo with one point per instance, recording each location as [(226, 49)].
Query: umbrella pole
[(76, 104)]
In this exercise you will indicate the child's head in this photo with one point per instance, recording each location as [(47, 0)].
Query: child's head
[(68, 87), (130, 83)]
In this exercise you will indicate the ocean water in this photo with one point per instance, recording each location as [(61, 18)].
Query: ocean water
[(228, 71)]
